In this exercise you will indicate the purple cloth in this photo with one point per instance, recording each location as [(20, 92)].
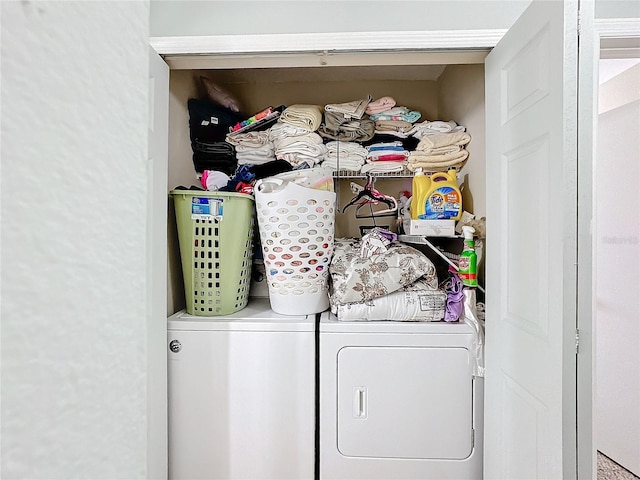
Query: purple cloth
[(455, 299)]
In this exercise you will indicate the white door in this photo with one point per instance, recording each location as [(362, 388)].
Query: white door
[(157, 266), (531, 98), (382, 414)]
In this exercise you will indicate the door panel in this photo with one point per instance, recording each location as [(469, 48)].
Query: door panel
[(531, 79), (156, 265), (402, 403)]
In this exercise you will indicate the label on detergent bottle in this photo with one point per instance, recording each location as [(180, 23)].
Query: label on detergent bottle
[(442, 203)]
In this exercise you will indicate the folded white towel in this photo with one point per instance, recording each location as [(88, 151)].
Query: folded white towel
[(281, 130), (437, 126), (443, 139), (298, 158), (349, 164), (441, 150), (249, 138), (346, 149), (383, 167), (350, 110), (310, 138), (255, 156), (302, 116), (435, 163), (303, 148)]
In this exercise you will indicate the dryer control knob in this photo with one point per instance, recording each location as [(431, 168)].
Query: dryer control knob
[(175, 346)]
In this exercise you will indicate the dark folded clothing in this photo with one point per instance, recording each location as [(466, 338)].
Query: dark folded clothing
[(211, 161), (271, 168), (409, 143), (219, 148), (219, 156), (209, 121)]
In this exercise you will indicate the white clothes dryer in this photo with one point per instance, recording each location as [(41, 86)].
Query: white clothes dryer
[(398, 400)]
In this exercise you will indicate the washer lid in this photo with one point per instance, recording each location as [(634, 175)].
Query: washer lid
[(256, 316), (330, 323)]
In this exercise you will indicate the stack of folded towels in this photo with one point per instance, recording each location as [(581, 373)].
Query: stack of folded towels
[(294, 136), (440, 151), (385, 157), (347, 122), (349, 156), (252, 148), (396, 121)]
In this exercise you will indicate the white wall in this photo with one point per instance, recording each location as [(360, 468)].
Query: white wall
[(617, 9), (176, 18), (73, 239), (617, 270), (236, 17)]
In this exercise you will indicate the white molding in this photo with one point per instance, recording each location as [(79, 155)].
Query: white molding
[(617, 27), (618, 37), (324, 59), (327, 42)]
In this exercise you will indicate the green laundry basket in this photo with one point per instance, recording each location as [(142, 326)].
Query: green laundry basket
[(215, 232)]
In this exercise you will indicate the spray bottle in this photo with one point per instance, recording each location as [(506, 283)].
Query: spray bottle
[(467, 267)]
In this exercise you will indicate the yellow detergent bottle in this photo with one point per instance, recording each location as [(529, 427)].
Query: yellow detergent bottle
[(419, 189), (440, 200)]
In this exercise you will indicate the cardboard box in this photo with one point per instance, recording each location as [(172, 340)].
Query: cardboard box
[(433, 228)]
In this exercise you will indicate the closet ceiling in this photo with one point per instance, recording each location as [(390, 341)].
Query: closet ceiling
[(334, 74), (383, 59)]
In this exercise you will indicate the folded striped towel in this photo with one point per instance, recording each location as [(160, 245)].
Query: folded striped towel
[(397, 113)]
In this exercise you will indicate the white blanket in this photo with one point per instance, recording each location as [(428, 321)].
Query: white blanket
[(414, 303)]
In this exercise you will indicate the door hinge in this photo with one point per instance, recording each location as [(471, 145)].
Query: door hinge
[(577, 341)]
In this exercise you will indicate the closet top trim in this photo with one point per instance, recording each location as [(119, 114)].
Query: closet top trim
[(327, 42)]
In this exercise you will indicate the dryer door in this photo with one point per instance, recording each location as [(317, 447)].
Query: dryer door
[(405, 402)]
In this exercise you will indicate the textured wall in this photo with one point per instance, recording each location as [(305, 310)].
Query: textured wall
[(74, 148)]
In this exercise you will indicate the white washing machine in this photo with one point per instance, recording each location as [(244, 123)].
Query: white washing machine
[(398, 400), (242, 395)]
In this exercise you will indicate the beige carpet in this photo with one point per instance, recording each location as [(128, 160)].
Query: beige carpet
[(610, 470)]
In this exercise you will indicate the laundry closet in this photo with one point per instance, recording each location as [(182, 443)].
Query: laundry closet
[(449, 92), (508, 177), (451, 444)]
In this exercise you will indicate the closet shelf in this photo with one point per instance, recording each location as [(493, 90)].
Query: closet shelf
[(352, 174), (422, 239)]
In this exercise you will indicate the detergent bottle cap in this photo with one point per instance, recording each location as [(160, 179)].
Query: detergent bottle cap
[(418, 172), (468, 232)]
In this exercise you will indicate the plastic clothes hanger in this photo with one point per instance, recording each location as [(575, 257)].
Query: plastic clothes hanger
[(369, 196)]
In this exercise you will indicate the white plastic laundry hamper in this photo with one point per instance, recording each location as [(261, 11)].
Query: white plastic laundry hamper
[(296, 225)]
